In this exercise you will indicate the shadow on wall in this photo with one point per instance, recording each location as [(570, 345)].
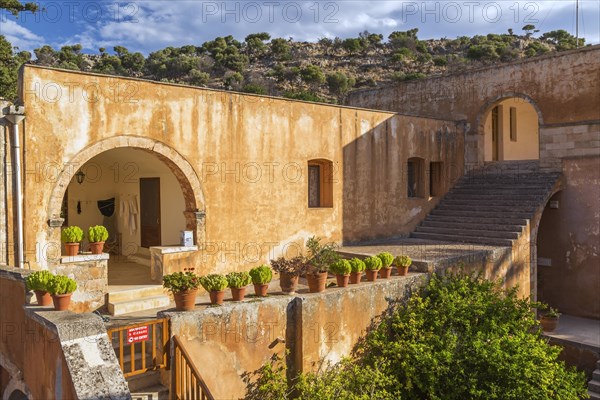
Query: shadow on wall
[(385, 192)]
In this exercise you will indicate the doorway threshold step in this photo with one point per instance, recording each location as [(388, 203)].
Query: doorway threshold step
[(140, 304)]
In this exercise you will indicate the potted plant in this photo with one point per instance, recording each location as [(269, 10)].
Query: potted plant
[(386, 265), (289, 270), (237, 282), (342, 270), (320, 257), (402, 263), (71, 236), (38, 282), (184, 287), (61, 288), (549, 320), (97, 235), (372, 264), (358, 267), (261, 277), (215, 285)]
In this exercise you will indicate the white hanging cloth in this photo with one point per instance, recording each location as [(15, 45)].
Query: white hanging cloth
[(128, 212)]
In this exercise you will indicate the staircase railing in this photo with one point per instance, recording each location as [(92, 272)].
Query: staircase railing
[(148, 346), (186, 381)]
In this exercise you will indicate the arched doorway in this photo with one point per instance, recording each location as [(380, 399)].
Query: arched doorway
[(511, 130)]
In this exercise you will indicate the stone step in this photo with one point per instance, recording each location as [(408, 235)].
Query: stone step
[(594, 386), (473, 226), (468, 232), (157, 392), (492, 197), (481, 214), (594, 396), (131, 306), (486, 208), (520, 180), (466, 219), (140, 382), (507, 188), (136, 293), (139, 258), (529, 204), (462, 239)]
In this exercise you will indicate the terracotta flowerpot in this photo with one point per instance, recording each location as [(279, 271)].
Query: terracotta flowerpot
[(185, 300), (385, 273), (96, 247), (238, 294), (371, 275), (402, 271), (61, 301), (288, 282), (261, 290), (71, 249), (43, 298), (549, 324), (342, 280), (216, 296), (355, 277), (316, 282)]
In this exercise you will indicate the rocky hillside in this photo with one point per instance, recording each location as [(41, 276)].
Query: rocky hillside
[(323, 71)]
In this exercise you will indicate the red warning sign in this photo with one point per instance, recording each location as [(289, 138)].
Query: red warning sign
[(138, 334)]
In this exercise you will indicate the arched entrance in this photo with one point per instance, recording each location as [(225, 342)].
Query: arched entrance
[(123, 168), (510, 128)]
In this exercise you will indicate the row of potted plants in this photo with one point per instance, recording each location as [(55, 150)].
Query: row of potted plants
[(184, 285), (72, 236), (51, 289)]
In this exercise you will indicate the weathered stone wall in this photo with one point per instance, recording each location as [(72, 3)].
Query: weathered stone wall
[(564, 87), (568, 239), (241, 159), (45, 349), (227, 342), (4, 180)]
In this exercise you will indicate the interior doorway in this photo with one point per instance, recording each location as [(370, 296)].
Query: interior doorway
[(150, 218)]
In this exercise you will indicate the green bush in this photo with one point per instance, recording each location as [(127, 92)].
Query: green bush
[(38, 280), (97, 233), (254, 88), (312, 74), (321, 256), (213, 282), (238, 280), (339, 83), (373, 263), (440, 61), (261, 275), (386, 259), (180, 281), (402, 261), (357, 265), (71, 234), (60, 284), (341, 267), (303, 95)]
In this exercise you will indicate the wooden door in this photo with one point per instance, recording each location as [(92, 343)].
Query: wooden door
[(495, 133), (150, 212)]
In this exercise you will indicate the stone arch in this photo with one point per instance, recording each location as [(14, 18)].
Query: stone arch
[(185, 174), (487, 108), (16, 388)]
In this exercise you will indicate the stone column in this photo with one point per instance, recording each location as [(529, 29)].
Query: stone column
[(3, 183)]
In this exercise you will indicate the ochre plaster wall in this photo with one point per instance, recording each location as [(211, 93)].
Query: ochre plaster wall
[(249, 154)]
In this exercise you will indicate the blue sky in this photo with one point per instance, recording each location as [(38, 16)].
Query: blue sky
[(147, 26)]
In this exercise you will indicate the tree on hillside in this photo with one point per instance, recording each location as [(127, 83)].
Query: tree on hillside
[(10, 62), (15, 7), (462, 337)]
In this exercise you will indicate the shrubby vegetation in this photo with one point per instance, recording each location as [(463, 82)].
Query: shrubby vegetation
[(324, 71), (462, 337)]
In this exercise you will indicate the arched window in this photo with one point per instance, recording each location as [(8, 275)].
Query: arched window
[(320, 183), (415, 177)]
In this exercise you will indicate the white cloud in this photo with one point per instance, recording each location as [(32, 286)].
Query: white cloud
[(20, 36)]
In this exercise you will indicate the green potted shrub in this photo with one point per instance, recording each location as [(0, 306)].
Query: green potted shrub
[(372, 264), (261, 277), (358, 267), (215, 285), (402, 263), (549, 320), (386, 265), (320, 258), (184, 287), (342, 270), (61, 288), (97, 235), (289, 270), (38, 282), (237, 282), (71, 236)]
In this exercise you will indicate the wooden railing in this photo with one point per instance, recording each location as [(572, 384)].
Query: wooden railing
[(186, 382), (141, 347)]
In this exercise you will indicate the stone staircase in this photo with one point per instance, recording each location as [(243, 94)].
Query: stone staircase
[(490, 206), (137, 299), (594, 384)]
